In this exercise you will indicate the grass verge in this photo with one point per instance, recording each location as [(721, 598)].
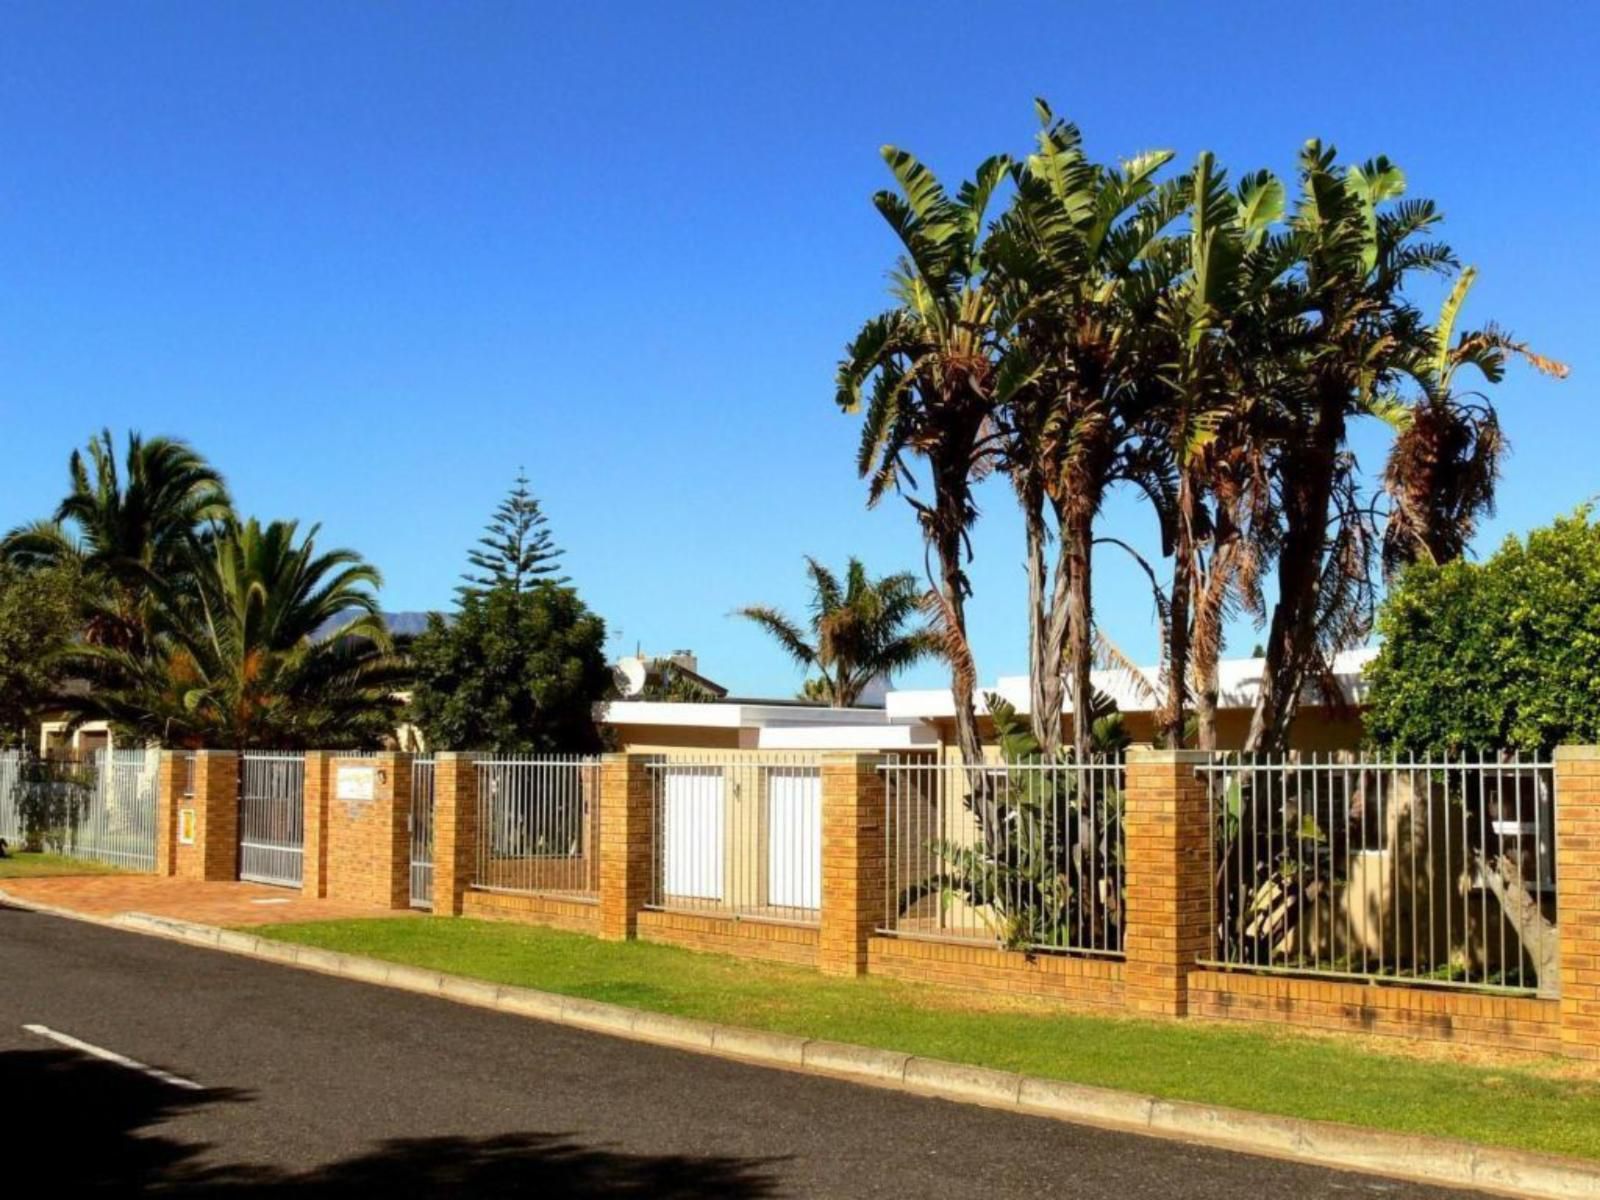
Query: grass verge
[(1329, 1079), (21, 864)]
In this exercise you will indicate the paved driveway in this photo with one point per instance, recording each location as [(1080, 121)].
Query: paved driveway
[(279, 1079), (190, 900)]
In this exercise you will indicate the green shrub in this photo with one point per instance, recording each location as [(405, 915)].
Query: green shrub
[(1502, 654)]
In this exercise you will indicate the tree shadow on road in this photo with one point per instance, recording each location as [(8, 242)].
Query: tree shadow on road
[(89, 1127)]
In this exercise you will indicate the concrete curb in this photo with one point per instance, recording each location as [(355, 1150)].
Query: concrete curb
[(1423, 1159)]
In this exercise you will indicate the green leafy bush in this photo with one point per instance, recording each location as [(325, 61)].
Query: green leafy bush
[(515, 671), (1499, 655)]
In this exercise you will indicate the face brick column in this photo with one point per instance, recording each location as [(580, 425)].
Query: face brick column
[(455, 829), (172, 780), (368, 843), (854, 854), (1168, 878), (627, 797), (1577, 774), (214, 852), (318, 786)]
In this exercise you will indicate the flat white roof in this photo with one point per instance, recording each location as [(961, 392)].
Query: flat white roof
[(734, 714), (899, 723), (847, 737), (1238, 680)]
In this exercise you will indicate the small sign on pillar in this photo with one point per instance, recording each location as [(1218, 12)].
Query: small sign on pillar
[(355, 783)]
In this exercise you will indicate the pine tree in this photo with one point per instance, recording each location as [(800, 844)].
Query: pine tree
[(516, 550)]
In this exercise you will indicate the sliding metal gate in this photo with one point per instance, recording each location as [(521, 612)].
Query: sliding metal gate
[(272, 823), (422, 832)]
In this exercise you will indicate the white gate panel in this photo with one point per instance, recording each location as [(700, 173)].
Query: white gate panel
[(694, 825), (794, 839)]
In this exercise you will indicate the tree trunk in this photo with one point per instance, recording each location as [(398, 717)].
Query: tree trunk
[(1077, 533), (1044, 685), (1539, 938), (1291, 641), (963, 671), (1047, 632), (1211, 593), (1178, 630)]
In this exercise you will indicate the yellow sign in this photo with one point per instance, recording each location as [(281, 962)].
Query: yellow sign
[(186, 823)]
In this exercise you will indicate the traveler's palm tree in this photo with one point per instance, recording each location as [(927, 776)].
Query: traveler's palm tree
[(1359, 340), (246, 657), (857, 631), (1218, 316), (1445, 460), (929, 368), (1079, 258), (131, 533)]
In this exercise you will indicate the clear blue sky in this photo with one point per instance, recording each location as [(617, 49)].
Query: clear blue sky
[(372, 258)]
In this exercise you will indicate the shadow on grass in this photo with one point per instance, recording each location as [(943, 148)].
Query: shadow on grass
[(92, 1128)]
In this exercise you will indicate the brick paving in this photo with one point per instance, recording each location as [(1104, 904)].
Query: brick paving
[(185, 899)]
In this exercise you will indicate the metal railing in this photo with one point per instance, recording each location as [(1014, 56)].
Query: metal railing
[(1436, 872), (12, 828), (1023, 855), (272, 818), (420, 823), (738, 836), (539, 825), (100, 807)]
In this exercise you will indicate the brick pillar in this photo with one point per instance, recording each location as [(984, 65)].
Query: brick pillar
[(368, 844), (318, 786), (1168, 878), (1577, 776), (214, 853), (854, 860), (172, 780), (455, 829), (626, 854)]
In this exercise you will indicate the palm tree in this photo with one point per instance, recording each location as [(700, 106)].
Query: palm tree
[(857, 632), (1359, 338), (243, 657), (1445, 460), (931, 365), (1216, 321), (131, 535), (1078, 257)]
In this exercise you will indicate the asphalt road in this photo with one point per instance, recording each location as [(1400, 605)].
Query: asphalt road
[(310, 1082)]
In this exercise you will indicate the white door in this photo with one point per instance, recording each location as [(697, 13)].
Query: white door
[(694, 818), (794, 839)]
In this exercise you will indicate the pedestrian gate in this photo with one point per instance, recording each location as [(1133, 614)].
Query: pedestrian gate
[(272, 823), (422, 832)]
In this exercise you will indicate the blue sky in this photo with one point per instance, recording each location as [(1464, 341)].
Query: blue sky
[(373, 258)]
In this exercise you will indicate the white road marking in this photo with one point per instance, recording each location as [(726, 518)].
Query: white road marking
[(111, 1056), (270, 901)]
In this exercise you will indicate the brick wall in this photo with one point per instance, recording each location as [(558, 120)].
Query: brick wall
[(317, 789), (368, 844), (455, 830), (171, 782), (1168, 902), (626, 800), (854, 858), (1089, 982), (1430, 1014), (771, 942), (558, 912), (1167, 914), (1577, 772), (214, 853)]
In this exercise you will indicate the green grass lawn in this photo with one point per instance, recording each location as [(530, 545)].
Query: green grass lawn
[(19, 864), (1534, 1107)]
